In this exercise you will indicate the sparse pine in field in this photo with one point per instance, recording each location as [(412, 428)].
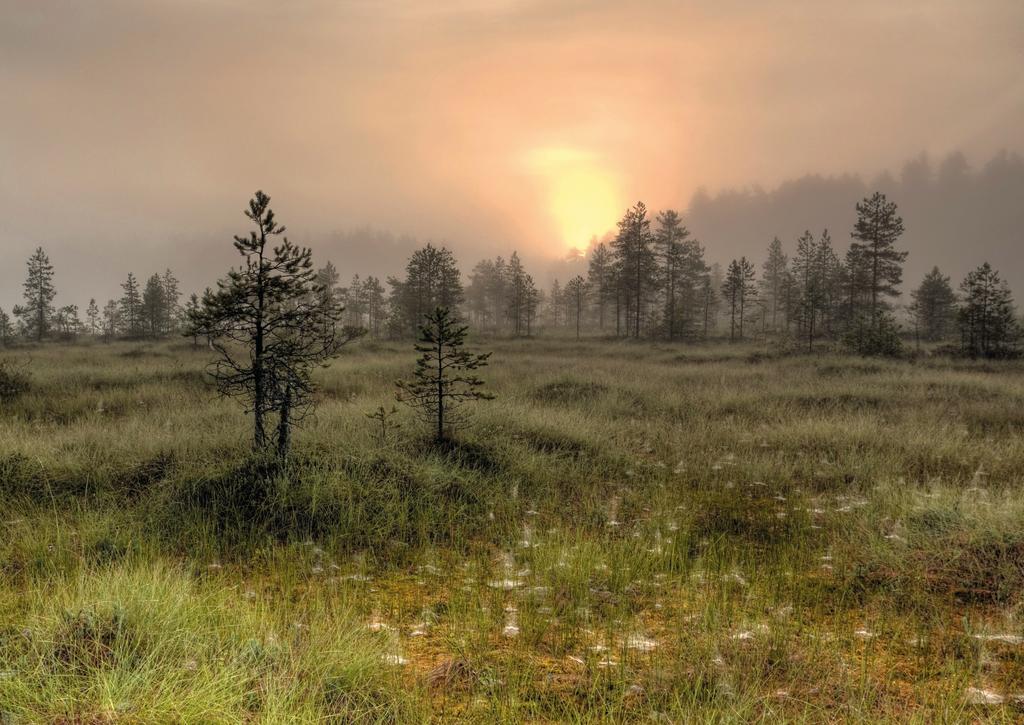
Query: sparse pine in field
[(774, 276), (153, 308), (131, 308), (111, 320), (192, 316), (877, 335), (172, 310), (92, 315), (739, 291), (66, 321), (556, 299), (269, 326), (933, 309), (637, 266), (375, 305), (6, 331), (578, 293), (710, 286), (668, 240), (517, 286), (432, 280), (601, 278), (444, 378), (815, 278), (988, 324), (874, 264), (36, 314), (486, 295), (384, 423)]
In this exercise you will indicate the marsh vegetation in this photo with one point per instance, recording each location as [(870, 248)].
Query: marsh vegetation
[(632, 531)]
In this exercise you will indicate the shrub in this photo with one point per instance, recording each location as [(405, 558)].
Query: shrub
[(14, 382), (878, 336)]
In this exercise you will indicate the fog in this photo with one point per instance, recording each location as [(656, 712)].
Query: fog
[(134, 132)]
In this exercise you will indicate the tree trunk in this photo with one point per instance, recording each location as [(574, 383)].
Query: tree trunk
[(284, 423), (440, 388)]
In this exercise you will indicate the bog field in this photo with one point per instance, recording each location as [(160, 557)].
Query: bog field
[(626, 533)]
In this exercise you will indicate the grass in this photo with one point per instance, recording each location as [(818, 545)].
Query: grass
[(631, 532)]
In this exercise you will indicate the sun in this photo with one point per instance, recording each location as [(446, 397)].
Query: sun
[(583, 196)]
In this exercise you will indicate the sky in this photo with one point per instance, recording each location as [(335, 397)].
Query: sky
[(133, 132)]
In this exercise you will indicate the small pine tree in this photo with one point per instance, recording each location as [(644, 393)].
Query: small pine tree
[(601, 278), (739, 291), (192, 316), (987, 321), (131, 307), (269, 328), (576, 291), (111, 320), (6, 333), (444, 377), (384, 423), (153, 309), (877, 336), (37, 313), (92, 314), (934, 307), (773, 281), (171, 309), (67, 322)]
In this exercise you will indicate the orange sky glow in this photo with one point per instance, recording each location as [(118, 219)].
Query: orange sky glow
[(140, 129)]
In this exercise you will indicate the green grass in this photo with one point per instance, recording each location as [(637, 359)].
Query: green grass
[(630, 532)]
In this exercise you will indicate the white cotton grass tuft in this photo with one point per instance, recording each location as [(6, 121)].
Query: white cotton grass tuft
[(979, 696)]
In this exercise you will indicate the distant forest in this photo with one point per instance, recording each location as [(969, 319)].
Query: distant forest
[(953, 213), (808, 284)]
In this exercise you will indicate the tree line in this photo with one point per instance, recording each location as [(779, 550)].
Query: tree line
[(650, 280)]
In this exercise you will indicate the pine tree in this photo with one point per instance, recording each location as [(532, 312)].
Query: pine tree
[(669, 239), (67, 322), (479, 302), (151, 310), (111, 319), (711, 284), (739, 291), (269, 328), (933, 308), (6, 332), (773, 281), (131, 307), (636, 264), (92, 314), (171, 308), (36, 314), (192, 313), (374, 292), (327, 279), (576, 292), (987, 321), (875, 265), (444, 378), (814, 275), (431, 280), (601, 279), (533, 300), (516, 305), (355, 302), (556, 303)]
